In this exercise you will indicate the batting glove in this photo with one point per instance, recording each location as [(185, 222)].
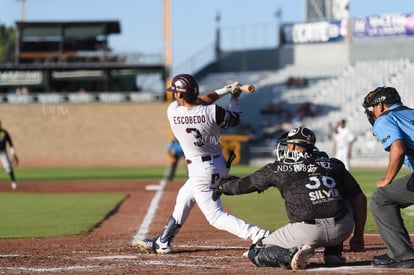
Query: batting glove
[(228, 89), (236, 93)]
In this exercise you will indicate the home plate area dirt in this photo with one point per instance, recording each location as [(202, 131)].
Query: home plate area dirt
[(198, 248)]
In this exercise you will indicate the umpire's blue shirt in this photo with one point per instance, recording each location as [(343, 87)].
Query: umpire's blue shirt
[(394, 125)]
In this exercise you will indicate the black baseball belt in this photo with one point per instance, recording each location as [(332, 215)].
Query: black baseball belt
[(204, 158)]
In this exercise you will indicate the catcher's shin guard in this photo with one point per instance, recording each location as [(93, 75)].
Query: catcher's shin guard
[(270, 255), (163, 244)]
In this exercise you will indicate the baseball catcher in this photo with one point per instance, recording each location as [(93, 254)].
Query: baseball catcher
[(323, 201)]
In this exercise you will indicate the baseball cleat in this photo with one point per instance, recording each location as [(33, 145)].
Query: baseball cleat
[(14, 185), (334, 259), (153, 246), (162, 248), (300, 259), (146, 246)]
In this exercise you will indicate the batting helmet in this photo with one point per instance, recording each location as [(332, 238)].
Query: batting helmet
[(186, 85)]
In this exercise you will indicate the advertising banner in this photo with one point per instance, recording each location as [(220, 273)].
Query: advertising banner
[(20, 78), (314, 32), (385, 25)]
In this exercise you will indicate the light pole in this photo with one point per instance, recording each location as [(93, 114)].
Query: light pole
[(23, 10), (278, 15), (168, 45)]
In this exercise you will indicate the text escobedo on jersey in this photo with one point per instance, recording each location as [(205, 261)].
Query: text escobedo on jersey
[(189, 119)]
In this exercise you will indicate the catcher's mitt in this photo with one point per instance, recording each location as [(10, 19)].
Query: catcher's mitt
[(218, 188)]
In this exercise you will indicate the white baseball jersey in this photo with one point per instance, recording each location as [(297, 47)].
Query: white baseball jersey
[(343, 136), (196, 129)]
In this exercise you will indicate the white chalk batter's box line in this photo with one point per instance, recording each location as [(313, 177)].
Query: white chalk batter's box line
[(176, 260)]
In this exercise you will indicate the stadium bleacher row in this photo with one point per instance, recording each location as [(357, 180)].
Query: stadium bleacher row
[(336, 91)]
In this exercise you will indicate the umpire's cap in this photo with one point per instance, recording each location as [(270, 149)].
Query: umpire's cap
[(386, 95), (301, 136)]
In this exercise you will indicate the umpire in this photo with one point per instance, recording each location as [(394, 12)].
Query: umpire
[(322, 199), (393, 125)]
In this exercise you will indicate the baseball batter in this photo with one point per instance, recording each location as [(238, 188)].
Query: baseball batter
[(5, 140), (322, 201), (196, 123)]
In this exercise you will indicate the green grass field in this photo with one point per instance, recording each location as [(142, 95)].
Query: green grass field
[(43, 215), (53, 215)]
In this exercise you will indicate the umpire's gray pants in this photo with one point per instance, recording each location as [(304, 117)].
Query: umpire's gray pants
[(326, 232), (386, 205)]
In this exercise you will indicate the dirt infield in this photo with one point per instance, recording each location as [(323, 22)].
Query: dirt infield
[(199, 248)]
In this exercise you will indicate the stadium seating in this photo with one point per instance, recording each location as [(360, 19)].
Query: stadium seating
[(337, 91)]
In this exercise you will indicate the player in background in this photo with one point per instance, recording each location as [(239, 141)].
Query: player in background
[(5, 140), (196, 122), (323, 201), (343, 139), (393, 125), (175, 152)]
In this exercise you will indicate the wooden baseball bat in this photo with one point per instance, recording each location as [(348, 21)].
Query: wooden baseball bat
[(249, 88)]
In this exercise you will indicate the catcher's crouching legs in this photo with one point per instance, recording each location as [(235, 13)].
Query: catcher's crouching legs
[(270, 255)]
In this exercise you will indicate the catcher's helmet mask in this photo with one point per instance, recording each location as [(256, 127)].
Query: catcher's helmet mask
[(300, 136), (186, 85), (386, 95)]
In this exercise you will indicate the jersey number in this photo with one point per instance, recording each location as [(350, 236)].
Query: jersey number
[(317, 181), (196, 133)]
